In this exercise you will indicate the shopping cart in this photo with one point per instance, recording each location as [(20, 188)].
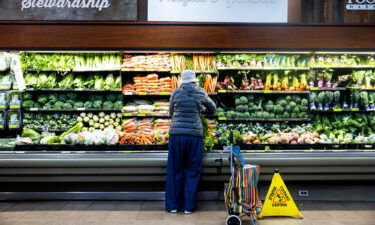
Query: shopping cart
[(241, 193)]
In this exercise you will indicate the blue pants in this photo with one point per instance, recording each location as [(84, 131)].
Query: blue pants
[(183, 172)]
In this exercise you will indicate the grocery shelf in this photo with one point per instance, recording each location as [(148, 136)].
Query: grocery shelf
[(146, 71), (341, 111), (344, 67), (71, 111), (148, 94), (262, 68), (261, 92), (76, 70), (144, 115), (70, 90), (224, 119), (329, 89), (196, 71)]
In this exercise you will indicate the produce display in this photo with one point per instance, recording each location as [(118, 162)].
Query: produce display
[(49, 122), (72, 101), (341, 60), (160, 107), (251, 106), (119, 99), (96, 81), (70, 61), (100, 121), (148, 84), (147, 62)]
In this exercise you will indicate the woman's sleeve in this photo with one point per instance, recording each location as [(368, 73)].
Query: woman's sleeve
[(209, 104), (171, 103)]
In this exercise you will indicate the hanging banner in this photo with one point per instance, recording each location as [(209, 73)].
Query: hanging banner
[(254, 11), (93, 10)]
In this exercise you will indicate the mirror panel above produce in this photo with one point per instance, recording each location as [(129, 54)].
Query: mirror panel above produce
[(271, 101)]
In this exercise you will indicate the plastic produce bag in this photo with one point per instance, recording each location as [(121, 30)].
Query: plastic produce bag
[(2, 120), (15, 100), (14, 119), (4, 61)]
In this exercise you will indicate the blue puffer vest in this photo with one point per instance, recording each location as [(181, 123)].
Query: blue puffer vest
[(186, 105)]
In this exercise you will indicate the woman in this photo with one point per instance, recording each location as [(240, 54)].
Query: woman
[(185, 143)]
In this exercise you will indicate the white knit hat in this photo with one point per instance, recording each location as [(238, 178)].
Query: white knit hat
[(188, 76)]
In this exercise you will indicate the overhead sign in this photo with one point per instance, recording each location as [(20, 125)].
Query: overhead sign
[(360, 5), (254, 11), (93, 10)]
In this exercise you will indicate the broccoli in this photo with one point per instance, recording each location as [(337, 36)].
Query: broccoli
[(37, 105), (292, 104), (239, 115), (67, 106), (53, 98), (71, 95), (283, 103), (97, 105), (219, 109), (304, 102), (265, 115), (117, 105), (42, 99), (296, 109), (286, 115), (243, 100), (59, 105), (269, 102), (278, 109), (258, 114), (78, 104), (304, 108), (94, 98), (107, 105), (246, 115), (272, 115), (293, 115), (28, 104), (288, 98), (298, 100), (27, 96), (231, 114), (118, 97), (88, 105), (269, 107), (221, 114), (288, 108), (237, 101), (242, 108), (47, 106)]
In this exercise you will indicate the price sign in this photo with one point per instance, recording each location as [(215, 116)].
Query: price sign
[(164, 93), (222, 118), (267, 147), (128, 114), (15, 107), (33, 109), (314, 88), (355, 109), (337, 110), (128, 93), (14, 126), (79, 89), (81, 109), (141, 114), (267, 91), (142, 93), (222, 91)]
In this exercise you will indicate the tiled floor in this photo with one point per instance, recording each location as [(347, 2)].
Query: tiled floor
[(152, 213)]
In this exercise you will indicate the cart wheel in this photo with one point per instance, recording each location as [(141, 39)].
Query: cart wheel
[(233, 220)]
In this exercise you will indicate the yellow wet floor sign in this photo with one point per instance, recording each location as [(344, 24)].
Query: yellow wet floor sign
[(278, 201)]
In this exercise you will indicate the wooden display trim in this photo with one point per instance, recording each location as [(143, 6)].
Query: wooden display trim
[(156, 36)]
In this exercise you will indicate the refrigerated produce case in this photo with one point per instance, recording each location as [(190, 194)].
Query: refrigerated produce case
[(248, 57)]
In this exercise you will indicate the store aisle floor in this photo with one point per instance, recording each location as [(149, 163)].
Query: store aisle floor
[(152, 213)]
